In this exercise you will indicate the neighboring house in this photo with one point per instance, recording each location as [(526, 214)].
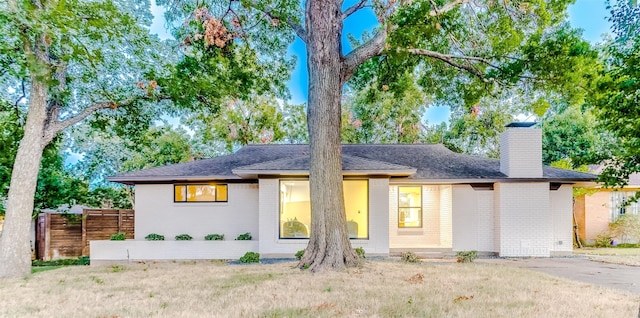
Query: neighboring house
[(595, 210), (398, 197)]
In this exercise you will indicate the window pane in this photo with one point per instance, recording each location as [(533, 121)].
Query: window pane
[(201, 193), (179, 193), (410, 217), (356, 202), (409, 206), (221, 192), (295, 209)]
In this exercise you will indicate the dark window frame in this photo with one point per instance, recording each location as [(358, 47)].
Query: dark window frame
[(307, 180), (215, 185)]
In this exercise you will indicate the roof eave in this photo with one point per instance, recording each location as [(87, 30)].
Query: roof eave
[(146, 179), (294, 173)]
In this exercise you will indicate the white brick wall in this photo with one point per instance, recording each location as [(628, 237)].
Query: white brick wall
[(473, 219), (521, 153), (131, 250), (157, 213), (436, 220), (525, 226), (446, 226), (562, 219)]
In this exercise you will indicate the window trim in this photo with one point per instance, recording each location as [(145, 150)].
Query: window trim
[(175, 185), (411, 207), (297, 239)]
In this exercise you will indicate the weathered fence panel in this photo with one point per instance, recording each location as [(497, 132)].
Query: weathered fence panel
[(62, 235)]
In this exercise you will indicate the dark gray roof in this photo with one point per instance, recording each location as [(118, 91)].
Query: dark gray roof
[(350, 164), (428, 161)]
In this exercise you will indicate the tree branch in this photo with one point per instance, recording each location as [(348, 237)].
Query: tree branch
[(451, 60), (57, 126), (359, 55), (296, 27), (353, 9), (447, 7)]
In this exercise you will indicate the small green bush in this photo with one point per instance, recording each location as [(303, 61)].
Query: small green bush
[(602, 240), (360, 252), (118, 237), (466, 256), (83, 260), (214, 237), (183, 237), (409, 257), (299, 254), (154, 237), (250, 257), (244, 237)]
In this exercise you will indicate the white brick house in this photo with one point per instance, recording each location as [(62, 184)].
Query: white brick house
[(397, 197)]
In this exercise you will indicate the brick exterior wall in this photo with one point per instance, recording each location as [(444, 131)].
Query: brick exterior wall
[(524, 220), (561, 202), (521, 153), (473, 219)]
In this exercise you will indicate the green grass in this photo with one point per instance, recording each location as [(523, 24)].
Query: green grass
[(38, 269)]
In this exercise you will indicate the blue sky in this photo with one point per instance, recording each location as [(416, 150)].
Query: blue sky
[(588, 15)]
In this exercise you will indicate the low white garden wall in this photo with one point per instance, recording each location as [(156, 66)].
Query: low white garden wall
[(134, 250)]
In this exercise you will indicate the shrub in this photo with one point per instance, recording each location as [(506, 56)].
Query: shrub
[(214, 237), (154, 237), (250, 257), (244, 237), (299, 254), (82, 260), (409, 257), (602, 240), (466, 256), (626, 228), (118, 237), (183, 237), (360, 252)]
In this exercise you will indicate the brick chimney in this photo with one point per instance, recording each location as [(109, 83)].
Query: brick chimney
[(521, 151)]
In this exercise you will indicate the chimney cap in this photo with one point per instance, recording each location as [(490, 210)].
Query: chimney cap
[(524, 124)]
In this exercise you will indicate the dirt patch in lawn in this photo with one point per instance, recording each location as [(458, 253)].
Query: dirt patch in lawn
[(378, 289)]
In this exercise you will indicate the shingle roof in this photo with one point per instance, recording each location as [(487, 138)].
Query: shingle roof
[(428, 161), (350, 164)]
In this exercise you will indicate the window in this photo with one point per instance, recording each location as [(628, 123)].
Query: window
[(295, 208), (409, 206), (200, 193), (620, 206)]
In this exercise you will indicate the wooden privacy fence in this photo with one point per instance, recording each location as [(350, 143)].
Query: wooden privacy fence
[(68, 235)]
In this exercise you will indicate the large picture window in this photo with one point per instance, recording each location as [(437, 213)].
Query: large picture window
[(295, 208), (200, 193), (409, 207)]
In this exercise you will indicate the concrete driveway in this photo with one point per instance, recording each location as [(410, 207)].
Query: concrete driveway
[(581, 269)]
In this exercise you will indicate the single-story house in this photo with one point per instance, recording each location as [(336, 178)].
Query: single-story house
[(419, 197), (599, 206)]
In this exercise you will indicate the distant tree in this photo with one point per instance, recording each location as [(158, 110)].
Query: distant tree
[(573, 135), (105, 153), (376, 115), (619, 102), (259, 119)]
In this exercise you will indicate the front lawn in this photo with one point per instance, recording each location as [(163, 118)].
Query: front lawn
[(378, 289), (625, 256)]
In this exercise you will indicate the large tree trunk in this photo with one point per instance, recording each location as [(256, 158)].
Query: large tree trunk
[(329, 246), (15, 250)]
